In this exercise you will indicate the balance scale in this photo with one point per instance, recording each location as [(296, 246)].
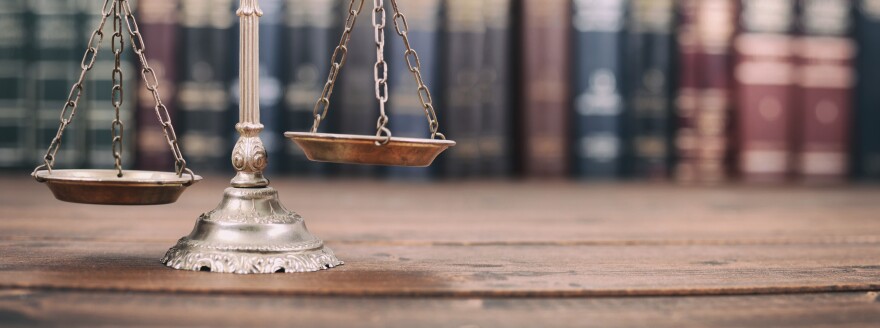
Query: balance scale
[(250, 231)]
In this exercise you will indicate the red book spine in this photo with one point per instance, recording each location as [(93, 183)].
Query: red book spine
[(825, 55), (686, 98), (545, 97), (764, 77), (825, 88), (158, 25), (705, 44), (716, 23)]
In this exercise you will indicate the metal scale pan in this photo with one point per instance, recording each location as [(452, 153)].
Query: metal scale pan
[(381, 148), (103, 187), (362, 149), (118, 186)]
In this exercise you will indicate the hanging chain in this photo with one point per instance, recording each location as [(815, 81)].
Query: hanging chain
[(68, 111), (117, 44), (381, 66), (336, 62), (415, 67), (152, 84)]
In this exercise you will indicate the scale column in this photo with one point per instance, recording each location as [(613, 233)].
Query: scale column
[(250, 231), (249, 156)]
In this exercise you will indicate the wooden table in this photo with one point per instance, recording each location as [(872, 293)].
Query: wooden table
[(464, 255)]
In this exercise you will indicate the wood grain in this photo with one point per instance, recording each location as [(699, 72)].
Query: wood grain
[(52, 309), (482, 214), (463, 254), (465, 271)]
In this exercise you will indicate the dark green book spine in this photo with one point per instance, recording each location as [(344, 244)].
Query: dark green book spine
[(598, 86), (649, 50), (867, 138), (496, 82), (14, 113), (96, 107), (462, 102), (354, 103), (208, 48), (57, 54), (309, 27), (407, 114)]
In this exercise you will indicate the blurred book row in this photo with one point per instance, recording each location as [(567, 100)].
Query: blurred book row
[(700, 91)]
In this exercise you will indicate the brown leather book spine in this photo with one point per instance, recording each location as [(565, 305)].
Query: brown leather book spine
[(545, 96), (764, 80), (764, 76), (158, 25), (685, 143), (716, 23), (826, 81), (825, 89)]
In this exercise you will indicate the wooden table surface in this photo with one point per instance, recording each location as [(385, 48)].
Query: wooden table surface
[(513, 254)]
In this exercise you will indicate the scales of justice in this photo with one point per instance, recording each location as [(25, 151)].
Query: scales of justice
[(250, 231)]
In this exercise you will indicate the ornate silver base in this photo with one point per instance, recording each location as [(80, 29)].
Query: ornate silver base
[(250, 232)]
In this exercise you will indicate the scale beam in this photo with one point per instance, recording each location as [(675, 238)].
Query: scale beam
[(250, 231)]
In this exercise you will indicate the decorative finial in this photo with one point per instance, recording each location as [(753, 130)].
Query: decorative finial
[(249, 8)]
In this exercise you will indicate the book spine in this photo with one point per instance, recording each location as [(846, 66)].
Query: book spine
[(650, 52), (271, 87), (407, 116), (495, 144), (464, 29), (688, 82), (159, 26), (353, 105), (96, 104), (826, 81), (57, 53), (764, 76), (14, 113), (867, 162), (545, 92), (598, 85), (716, 24), (203, 94), (309, 34)]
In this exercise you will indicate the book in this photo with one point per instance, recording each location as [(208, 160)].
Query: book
[(765, 73), (464, 36), (353, 105), (208, 47), (310, 40), (704, 97), (825, 54), (598, 87), (407, 116), (158, 22), (716, 23), (15, 148), (648, 113), (496, 134), (96, 106), (57, 54), (544, 97), (867, 138), (271, 87), (687, 85)]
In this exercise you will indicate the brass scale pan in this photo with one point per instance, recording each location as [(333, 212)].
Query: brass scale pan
[(154, 188)]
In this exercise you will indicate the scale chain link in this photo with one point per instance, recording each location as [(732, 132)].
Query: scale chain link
[(415, 67), (68, 111), (381, 79), (151, 82), (337, 60), (118, 45)]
